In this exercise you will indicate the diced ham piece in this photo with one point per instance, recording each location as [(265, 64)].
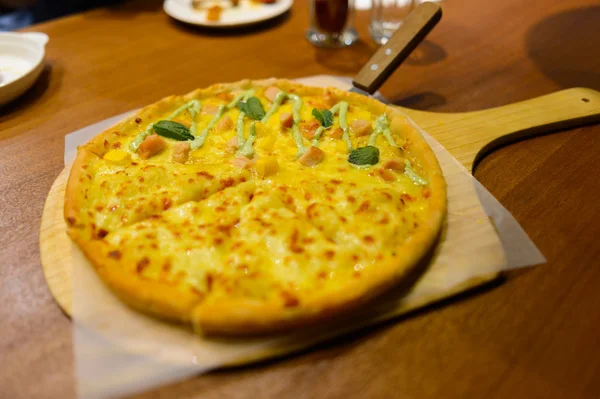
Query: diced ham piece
[(313, 156), (232, 144), (181, 152), (361, 127), (308, 129), (242, 162), (337, 133), (386, 174), (210, 109), (329, 98), (286, 119), (271, 93), (151, 146), (227, 97), (225, 124), (394, 164)]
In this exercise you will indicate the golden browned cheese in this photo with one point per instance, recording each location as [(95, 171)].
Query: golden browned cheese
[(260, 246)]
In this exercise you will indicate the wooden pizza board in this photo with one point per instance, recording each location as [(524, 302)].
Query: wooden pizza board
[(467, 136)]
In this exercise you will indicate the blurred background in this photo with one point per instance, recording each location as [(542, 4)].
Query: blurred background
[(15, 14)]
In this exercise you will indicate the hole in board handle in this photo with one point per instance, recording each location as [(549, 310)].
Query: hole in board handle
[(585, 100)]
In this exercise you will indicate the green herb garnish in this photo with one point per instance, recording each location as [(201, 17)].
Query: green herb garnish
[(253, 108), (324, 116), (368, 155), (172, 130), (242, 106)]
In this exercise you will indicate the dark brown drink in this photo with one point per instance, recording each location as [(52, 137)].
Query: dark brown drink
[(331, 15), (331, 23)]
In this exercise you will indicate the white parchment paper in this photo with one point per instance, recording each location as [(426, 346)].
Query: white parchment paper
[(119, 351)]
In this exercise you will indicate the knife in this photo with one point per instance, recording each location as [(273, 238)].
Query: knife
[(389, 56)]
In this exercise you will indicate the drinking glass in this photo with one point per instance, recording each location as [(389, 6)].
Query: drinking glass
[(332, 23), (387, 17)]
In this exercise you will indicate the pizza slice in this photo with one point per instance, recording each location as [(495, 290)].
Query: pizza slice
[(103, 195)]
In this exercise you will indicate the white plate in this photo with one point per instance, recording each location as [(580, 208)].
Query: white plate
[(245, 13), (21, 61)]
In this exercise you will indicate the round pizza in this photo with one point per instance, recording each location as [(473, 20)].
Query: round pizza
[(256, 207)]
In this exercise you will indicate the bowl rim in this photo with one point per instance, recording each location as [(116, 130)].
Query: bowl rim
[(38, 40)]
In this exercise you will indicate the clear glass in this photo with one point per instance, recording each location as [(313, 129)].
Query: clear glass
[(387, 17), (331, 23)]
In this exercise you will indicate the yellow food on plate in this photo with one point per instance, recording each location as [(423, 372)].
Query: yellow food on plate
[(214, 13), (256, 207)]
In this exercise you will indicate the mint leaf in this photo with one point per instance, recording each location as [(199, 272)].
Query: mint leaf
[(253, 108), (172, 130), (368, 155), (317, 114), (324, 116), (257, 111), (243, 107), (327, 118)]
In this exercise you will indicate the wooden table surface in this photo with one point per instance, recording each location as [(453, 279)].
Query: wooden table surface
[(534, 336)]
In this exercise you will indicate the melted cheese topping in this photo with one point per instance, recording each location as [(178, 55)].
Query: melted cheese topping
[(223, 231)]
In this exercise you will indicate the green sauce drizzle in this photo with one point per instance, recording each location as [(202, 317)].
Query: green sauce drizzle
[(412, 174), (387, 133), (318, 134), (343, 110), (139, 139), (248, 151), (194, 110), (296, 107), (243, 96), (199, 141), (298, 139), (183, 108), (373, 137), (382, 126), (240, 130), (279, 98)]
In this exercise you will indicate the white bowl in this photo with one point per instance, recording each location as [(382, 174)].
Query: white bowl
[(21, 62)]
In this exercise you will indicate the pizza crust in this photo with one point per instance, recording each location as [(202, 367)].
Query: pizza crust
[(72, 206), (150, 297), (250, 317)]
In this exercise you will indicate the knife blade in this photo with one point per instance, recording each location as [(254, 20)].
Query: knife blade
[(389, 56)]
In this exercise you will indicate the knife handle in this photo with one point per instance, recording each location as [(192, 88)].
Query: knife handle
[(389, 56)]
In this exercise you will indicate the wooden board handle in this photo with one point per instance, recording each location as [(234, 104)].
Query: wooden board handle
[(388, 57), (470, 135)]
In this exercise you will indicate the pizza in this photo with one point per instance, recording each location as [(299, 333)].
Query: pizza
[(255, 207)]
